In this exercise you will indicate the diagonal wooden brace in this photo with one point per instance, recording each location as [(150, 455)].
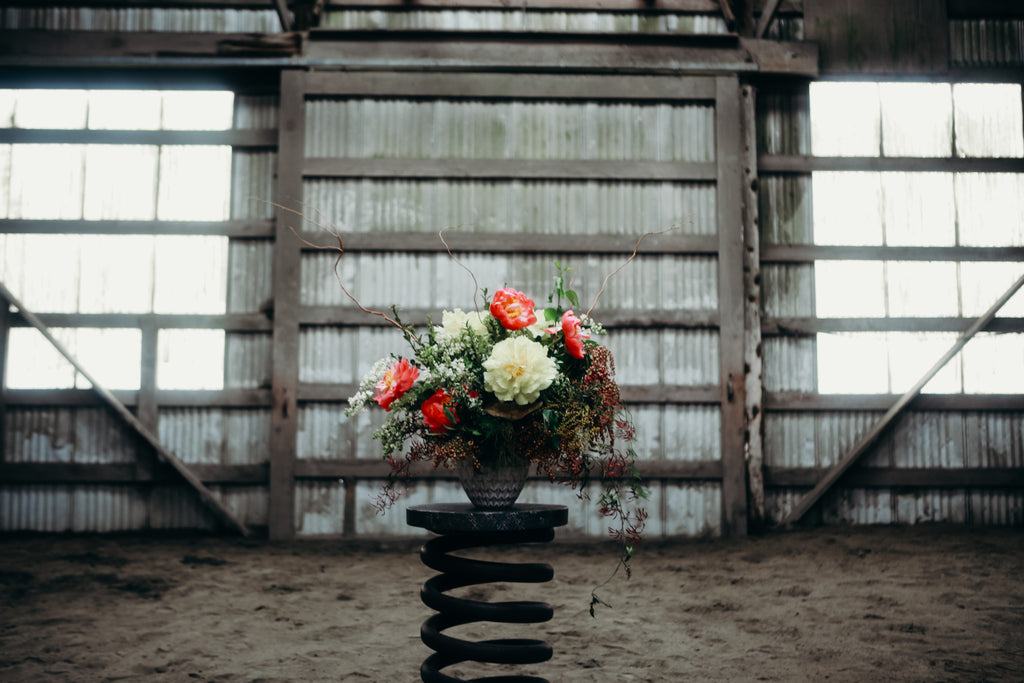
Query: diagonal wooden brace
[(872, 434), (205, 494)]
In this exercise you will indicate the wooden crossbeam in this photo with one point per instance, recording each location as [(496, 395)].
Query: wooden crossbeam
[(207, 497), (872, 434)]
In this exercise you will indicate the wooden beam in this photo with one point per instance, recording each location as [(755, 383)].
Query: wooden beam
[(897, 477), (790, 402), (256, 138), (284, 15), (5, 328), (729, 157), (231, 322), (765, 20), (205, 495), (509, 169), (809, 253), (507, 243), (872, 434), (237, 229), (796, 163), (287, 266), (777, 327), (611, 318)]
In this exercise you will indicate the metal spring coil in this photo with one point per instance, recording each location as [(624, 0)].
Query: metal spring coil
[(459, 572)]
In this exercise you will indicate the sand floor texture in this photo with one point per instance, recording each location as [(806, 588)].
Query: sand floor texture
[(863, 604)]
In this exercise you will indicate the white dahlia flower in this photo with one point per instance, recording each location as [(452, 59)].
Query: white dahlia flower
[(453, 322), (518, 369)]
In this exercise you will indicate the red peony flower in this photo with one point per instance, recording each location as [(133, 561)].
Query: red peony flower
[(397, 380), (433, 412), (573, 337), (513, 309)]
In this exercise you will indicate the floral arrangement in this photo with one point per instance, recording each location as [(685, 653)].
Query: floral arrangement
[(511, 381)]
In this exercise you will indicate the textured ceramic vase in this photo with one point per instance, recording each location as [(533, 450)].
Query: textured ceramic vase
[(496, 485)]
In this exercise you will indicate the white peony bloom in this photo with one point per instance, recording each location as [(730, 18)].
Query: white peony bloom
[(453, 322), (518, 369)]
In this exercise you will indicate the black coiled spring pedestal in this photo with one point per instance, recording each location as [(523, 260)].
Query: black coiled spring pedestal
[(463, 526)]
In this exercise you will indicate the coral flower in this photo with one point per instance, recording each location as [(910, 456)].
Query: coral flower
[(573, 336), (518, 369), (397, 380), (513, 309), (433, 412)]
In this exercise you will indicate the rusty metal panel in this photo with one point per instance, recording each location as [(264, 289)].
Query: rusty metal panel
[(35, 507), (370, 523), (596, 207), (838, 432), (788, 290), (107, 508), (786, 215), (325, 432), (224, 20), (79, 435), (783, 123), (246, 360), (669, 356), (858, 506), (343, 355), (247, 503), (255, 111), (789, 440), (523, 20), (994, 439), (920, 507), (252, 183), (790, 364), (997, 508), (456, 129), (986, 42), (178, 507), (195, 435), (929, 440), (249, 270), (692, 509), (319, 508), (246, 436)]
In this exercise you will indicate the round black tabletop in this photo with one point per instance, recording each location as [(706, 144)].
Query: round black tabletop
[(465, 518)]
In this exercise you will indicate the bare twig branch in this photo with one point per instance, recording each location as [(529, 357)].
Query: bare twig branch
[(624, 264), (476, 285)]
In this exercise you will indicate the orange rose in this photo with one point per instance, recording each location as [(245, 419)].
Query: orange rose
[(397, 380), (573, 337), (434, 414), (513, 309)]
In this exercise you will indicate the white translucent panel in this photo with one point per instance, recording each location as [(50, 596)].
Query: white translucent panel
[(853, 363), (922, 289), (46, 181), (197, 109), (988, 120), (190, 274), (994, 364), (42, 271), (112, 357), (990, 209), (847, 208), (917, 119), (120, 182), (33, 362), (7, 108), (5, 180), (124, 109), (919, 209), (195, 183), (911, 354), (982, 283), (117, 274), (845, 119), (50, 109), (190, 359), (849, 289)]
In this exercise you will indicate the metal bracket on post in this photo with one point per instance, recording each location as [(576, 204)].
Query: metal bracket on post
[(122, 411)]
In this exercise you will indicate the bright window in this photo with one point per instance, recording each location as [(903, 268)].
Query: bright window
[(917, 209), (79, 273)]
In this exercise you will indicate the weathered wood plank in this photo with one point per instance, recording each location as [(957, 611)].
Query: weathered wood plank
[(771, 163), (232, 322), (808, 253), (509, 169), (88, 136), (466, 242), (729, 155), (611, 318), (865, 441), (237, 229), (807, 326), (878, 477), (800, 402)]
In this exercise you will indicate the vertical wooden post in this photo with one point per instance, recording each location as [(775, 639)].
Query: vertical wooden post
[(146, 407), (287, 261), (732, 378), (5, 328), (753, 365)]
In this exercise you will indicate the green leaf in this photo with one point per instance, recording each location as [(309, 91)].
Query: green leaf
[(572, 296), (551, 314)]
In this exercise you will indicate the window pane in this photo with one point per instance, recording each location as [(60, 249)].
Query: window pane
[(853, 363), (42, 271), (919, 209), (117, 274), (113, 357), (63, 109), (983, 283), (190, 274), (120, 182), (5, 181), (197, 110), (195, 183), (990, 209), (922, 289), (911, 354), (917, 119), (845, 119), (994, 363), (849, 289), (7, 108), (190, 359), (33, 363), (988, 120), (847, 208), (124, 109), (46, 181)]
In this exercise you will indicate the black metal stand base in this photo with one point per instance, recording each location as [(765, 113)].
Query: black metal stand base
[(460, 572)]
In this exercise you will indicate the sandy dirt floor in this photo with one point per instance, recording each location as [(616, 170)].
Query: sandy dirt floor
[(875, 604)]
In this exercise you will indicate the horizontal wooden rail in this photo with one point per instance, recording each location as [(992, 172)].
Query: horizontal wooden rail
[(769, 163), (896, 477), (809, 253), (778, 401), (256, 138), (511, 169), (238, 229), (809, 326)]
